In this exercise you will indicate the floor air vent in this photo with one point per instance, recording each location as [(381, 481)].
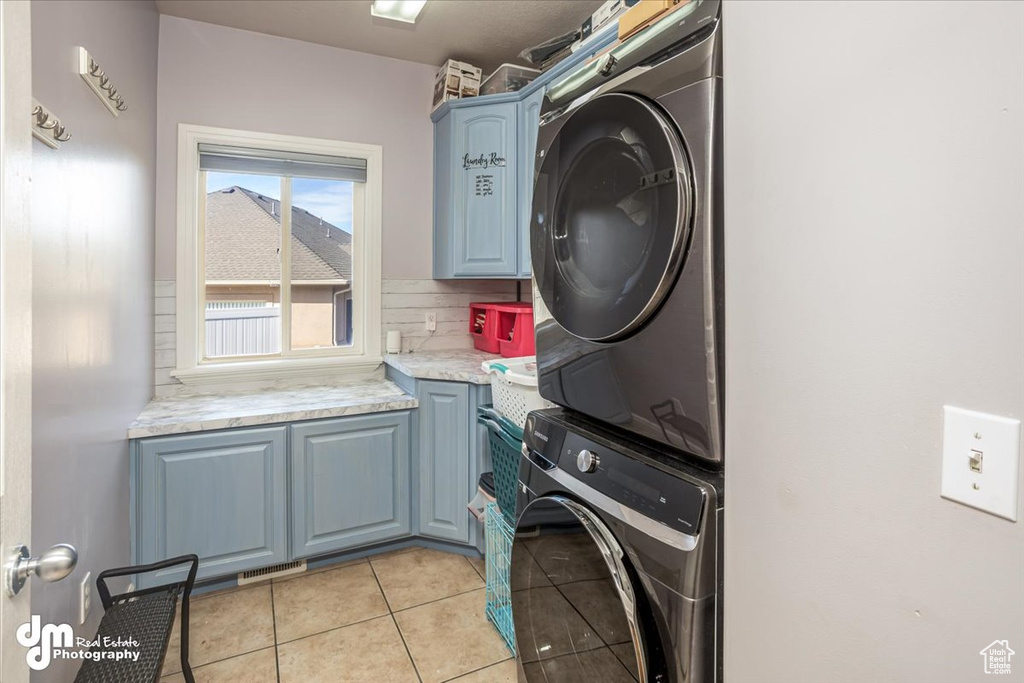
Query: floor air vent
[(274, 572)]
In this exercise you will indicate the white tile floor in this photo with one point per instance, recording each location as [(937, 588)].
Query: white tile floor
[(414, 615)]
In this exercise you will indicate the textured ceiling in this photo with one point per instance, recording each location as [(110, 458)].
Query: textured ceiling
[(485, 33)]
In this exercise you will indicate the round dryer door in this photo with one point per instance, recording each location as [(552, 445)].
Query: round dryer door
[(611, 216), (576, 608)]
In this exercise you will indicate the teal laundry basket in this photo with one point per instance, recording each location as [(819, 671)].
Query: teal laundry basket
[(506, 441), (499, 535)]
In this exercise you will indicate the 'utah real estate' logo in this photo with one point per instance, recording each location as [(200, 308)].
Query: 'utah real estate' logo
[(997, 657)]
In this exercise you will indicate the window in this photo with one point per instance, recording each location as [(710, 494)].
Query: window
[(278, 256)]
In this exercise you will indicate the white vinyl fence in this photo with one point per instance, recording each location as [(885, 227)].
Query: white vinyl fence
[(242, 328)]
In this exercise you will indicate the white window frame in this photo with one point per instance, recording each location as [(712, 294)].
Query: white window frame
[(363, 356)]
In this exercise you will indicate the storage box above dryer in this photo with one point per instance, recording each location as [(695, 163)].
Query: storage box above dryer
[(454, 81), (508, 78)]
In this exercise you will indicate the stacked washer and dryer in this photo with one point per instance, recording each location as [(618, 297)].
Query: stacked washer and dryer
[(617, 558)]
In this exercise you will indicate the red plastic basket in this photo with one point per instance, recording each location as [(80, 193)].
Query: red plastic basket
[(520, 340), (502, 327)]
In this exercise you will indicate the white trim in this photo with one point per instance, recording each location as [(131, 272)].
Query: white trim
[(199, 238), (275, 283), (366, 264), (222, 373), (320, 283), (285, 293), (15, 318)]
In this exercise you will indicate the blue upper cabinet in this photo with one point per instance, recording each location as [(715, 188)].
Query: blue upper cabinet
[(484, 153), (478, 235), (529, 122)]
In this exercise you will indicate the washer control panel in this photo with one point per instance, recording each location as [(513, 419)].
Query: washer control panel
[(633, 483)]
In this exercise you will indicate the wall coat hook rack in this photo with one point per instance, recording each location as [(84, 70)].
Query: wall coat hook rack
[(90, 71), (46, 127)]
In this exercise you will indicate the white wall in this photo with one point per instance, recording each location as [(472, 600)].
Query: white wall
[(875, 271), (217, 76), (92, 225)]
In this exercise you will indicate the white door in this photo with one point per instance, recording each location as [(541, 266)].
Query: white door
[(15, 319)]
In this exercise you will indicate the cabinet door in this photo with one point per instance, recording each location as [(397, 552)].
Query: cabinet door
[(529, 122), (349, 482), (444, 460), (484, 219), (220, 496), (479, 454), (444, 190)]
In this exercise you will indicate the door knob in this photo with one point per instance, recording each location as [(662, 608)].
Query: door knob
[(53, 565)]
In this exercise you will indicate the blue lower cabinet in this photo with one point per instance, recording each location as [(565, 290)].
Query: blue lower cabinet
[(221, 496), (444, 468), (349, 482), (249, 498)]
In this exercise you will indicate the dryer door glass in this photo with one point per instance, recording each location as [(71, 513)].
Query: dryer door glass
[(611, 216), (572, 621)]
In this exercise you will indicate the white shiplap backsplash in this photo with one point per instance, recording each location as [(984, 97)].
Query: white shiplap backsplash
[(407, 302), (164, 338), (405, 306)]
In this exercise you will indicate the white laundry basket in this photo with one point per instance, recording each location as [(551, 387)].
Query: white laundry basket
[(514, 387)]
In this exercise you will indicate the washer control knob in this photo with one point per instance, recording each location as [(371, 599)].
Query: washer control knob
[(587, 461), (608, 63)]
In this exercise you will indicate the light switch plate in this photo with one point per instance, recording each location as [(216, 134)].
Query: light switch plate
[(981, 460)]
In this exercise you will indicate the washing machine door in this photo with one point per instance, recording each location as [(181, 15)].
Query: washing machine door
[(611, 218), (575, 604)]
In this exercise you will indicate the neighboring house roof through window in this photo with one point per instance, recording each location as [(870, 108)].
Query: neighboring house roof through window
[(242, 236)]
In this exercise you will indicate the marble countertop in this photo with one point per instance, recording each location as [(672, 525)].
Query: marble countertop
[(204, 411), (462, 365)]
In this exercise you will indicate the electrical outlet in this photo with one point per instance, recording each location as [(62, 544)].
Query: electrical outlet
[(84, 598), (431, 322)]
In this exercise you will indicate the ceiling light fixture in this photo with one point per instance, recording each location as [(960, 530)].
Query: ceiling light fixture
[(398, 10)]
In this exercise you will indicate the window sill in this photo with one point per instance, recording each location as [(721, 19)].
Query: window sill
[(263, 371)]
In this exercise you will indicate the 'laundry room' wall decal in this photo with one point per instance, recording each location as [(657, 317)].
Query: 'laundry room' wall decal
[(483, 161)]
